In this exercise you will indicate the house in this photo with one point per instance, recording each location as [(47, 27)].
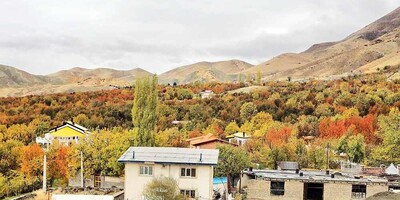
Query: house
[(239, 138), (318, 185), (208, 141), (69, 132), (206, 94), (192, 168)]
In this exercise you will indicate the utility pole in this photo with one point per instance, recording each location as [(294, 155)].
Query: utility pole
[(82, 180), (44, 169), (327, 156)]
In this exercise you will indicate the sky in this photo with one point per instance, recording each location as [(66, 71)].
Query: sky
[(45, 36)]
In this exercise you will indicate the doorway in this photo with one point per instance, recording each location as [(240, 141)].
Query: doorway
[(313, 191)]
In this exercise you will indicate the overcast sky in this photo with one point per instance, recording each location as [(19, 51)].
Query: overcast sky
[(44, 36)]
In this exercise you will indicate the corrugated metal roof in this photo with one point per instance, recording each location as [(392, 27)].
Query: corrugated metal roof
[(170, 155)]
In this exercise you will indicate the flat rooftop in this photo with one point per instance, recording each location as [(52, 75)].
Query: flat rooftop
[(313, 176), (170, 155)]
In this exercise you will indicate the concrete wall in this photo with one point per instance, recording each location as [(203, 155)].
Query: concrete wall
[(376, 188), (135, 183), (110, 182), (106, 181), (260, 190), (337, 191), (294, 190)]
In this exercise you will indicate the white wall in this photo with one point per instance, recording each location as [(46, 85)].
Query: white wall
[(135, 183)]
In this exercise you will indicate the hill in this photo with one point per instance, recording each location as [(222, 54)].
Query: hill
[(205, 71), (98, 76), (13, 77), (15, 82), (375, 46)]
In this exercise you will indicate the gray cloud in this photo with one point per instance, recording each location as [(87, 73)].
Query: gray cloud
[(45, 36)]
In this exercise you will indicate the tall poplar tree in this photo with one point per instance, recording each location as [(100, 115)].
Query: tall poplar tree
[(144, 110)]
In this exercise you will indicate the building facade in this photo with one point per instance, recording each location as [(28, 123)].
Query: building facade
[(305, 185), (191, 168)]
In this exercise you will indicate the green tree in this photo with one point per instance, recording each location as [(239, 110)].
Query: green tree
[(102, 149), (144, 111), (247, 110), (258, 77), (356, 148), (240, 78), (389, 126), (162, 188), (230, 163)]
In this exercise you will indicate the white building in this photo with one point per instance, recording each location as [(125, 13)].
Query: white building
[(192, 168), (239, 138), (206, 94)]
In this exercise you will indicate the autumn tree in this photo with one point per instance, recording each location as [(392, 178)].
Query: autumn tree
[(144, 111), (57, 157), (231, 128), (32, 160)]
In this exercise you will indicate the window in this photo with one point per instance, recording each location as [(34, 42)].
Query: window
[(97, 181), (358, 191), (188, 172), (277, 188), (393, 187), (146, 170), (189, 193)]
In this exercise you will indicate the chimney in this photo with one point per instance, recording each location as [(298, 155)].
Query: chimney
[(301, 174), (133, 154), (297, 171), (244, 134), (72, 120), (332, 175), (201, 157), (327, 172), (251, 169)]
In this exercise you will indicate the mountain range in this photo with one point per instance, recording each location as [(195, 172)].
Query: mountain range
[(375, 46)]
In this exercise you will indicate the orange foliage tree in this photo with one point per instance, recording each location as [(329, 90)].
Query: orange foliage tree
[(359, 125), (58, 163), (278, 137), (31, 160)]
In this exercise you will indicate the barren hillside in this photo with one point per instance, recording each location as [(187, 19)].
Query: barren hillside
[(375, 46), (205, 71)]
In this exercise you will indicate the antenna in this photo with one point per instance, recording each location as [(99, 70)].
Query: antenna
[(201, 157)]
